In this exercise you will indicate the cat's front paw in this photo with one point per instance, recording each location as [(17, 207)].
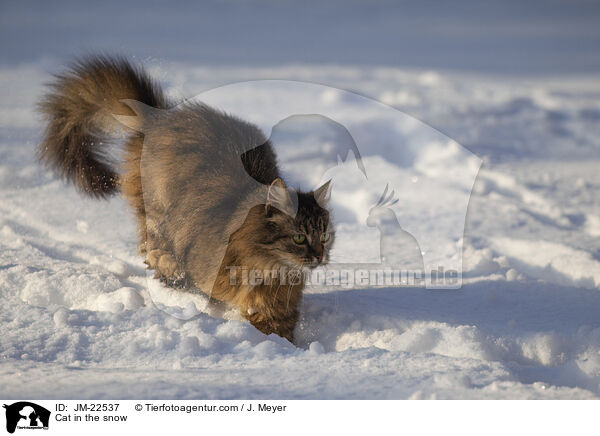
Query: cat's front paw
[(166, 269), (177, 280), (282, 327)]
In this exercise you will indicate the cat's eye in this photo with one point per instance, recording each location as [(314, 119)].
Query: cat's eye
[(325, 237), (299, 238)]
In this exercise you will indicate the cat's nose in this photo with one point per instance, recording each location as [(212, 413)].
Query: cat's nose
[(319, 258)]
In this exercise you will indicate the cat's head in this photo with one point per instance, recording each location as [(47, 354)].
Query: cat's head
[(298, 227)]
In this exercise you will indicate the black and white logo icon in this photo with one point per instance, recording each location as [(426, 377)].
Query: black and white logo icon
[(26, 415)]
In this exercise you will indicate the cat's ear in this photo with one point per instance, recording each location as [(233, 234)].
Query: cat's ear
[(279, 197), (323, 193)]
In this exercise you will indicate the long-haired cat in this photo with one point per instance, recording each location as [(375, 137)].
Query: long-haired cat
[(211, 205)]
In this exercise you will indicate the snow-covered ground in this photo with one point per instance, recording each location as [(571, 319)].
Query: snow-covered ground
[(79, 315)]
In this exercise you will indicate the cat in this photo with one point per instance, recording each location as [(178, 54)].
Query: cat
[(205, 186)]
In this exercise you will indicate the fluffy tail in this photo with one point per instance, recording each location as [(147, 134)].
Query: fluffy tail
[(79, 109)]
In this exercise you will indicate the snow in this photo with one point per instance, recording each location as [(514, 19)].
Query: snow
[(80, 315)]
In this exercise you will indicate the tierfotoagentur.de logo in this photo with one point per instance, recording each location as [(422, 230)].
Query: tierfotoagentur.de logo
[(397, 249), (24, 415)]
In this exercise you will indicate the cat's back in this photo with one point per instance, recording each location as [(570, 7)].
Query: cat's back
[(195, 140), (197, 161)]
